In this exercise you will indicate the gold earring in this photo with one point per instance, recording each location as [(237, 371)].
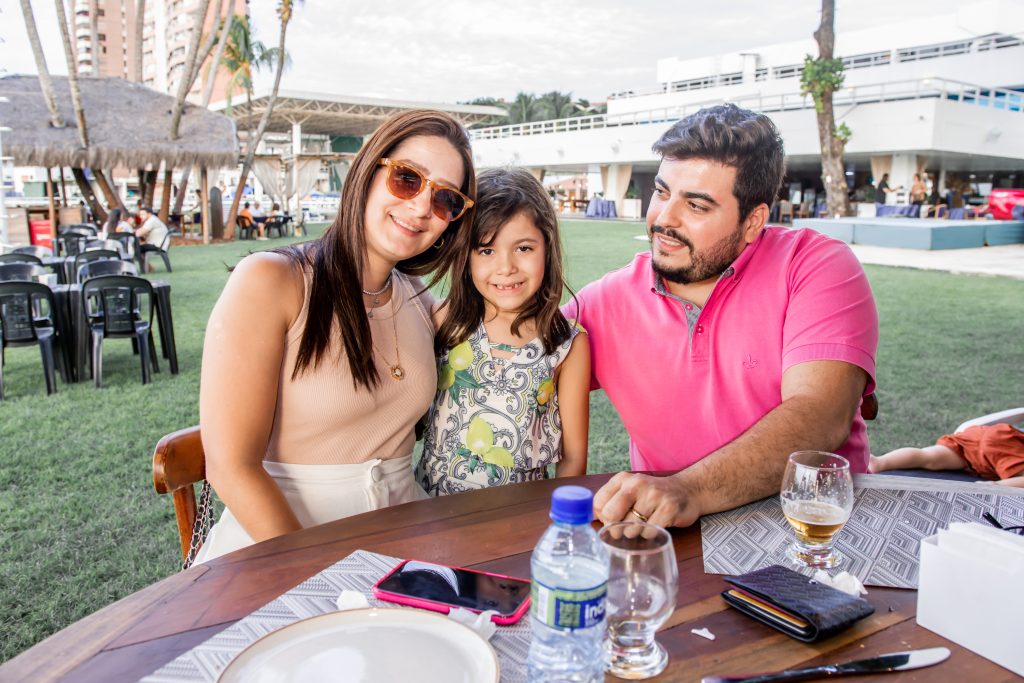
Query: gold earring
[(440, 243)]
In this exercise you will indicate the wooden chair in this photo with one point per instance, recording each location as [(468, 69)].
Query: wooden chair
[(179, 462)]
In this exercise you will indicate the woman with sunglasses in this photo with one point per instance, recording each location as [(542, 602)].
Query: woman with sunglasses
[(318, 359)]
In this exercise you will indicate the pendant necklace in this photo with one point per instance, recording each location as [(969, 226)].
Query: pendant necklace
[(397, 372), (376, 295)]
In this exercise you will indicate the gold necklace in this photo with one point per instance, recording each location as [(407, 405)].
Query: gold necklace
[(397, 372)]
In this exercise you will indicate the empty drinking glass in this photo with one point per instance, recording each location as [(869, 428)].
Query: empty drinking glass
[(641, 595), (817, 499)]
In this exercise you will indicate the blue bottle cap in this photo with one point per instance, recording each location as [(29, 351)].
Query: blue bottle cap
[(572, 505)]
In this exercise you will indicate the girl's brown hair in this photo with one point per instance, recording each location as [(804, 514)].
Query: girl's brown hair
[(336, 258), (503, 194)]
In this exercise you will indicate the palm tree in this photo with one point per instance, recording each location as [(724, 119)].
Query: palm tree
[(524, 108), (190, 64), (284, 14), (69, 55), (557, 105), (45, 82)]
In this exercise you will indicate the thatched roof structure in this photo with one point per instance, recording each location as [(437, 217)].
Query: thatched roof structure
[(128, 124)]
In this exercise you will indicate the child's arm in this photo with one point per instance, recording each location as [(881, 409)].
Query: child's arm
[(573, 387)]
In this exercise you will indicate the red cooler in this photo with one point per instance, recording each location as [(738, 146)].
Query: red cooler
[(40, 234)]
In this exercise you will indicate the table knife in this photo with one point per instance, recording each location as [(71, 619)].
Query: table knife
[(895, 661)]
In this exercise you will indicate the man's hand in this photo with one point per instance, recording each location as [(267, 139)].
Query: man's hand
[(664, 501)]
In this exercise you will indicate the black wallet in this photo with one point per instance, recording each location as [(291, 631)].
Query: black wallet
[(793, 603)]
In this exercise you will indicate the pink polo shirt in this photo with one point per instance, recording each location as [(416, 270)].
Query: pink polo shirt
[(792, 296)]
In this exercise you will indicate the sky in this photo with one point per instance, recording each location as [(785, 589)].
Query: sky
[(457, 50)]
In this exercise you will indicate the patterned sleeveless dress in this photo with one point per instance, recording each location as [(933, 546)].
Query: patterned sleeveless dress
[(494, 420)]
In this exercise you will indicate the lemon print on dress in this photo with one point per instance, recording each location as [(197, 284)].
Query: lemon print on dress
[(456, 374), (544, 393), (481, 450)]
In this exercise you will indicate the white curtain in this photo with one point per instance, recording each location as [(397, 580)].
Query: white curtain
[(341, 170), (268, 171), (301, 179)]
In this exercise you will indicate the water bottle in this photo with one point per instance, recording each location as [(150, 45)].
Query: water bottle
[(569, 581)]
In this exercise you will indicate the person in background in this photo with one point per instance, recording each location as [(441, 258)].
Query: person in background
[(152, 231), (117, 221), (989, 451), (883, 189), (918, 191)]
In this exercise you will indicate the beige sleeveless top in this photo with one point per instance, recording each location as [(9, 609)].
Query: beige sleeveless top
[(321, 419)]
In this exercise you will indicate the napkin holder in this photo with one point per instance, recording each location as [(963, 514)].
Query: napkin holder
[(970, 591)]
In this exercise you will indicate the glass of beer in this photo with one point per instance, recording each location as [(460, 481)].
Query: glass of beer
[(817, 499)]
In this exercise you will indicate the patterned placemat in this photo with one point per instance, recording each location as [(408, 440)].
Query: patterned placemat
[(881, 541), (359, 571)]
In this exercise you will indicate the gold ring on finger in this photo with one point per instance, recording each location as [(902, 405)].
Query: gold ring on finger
[(642, 518)]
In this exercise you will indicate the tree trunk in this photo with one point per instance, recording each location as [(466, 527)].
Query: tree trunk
[(88, 195), (207, 94), (45, 82), (76, 93), (833, 172), (207, 48), (250, 153), (140, 24), (109, 193), (218, 55), (190, 61), (165, 197), (151, 178), (63, 188)]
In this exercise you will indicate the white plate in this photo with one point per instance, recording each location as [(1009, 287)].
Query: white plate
[(367, 646)]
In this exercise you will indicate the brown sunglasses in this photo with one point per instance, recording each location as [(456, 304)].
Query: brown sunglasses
[(406, 182)]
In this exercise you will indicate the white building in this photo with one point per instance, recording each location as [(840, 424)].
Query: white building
[(943, 95)]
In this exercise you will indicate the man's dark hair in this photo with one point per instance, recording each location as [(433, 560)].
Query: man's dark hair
[(745, 140), (146, 208)]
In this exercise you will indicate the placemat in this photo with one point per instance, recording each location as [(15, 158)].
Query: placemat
[(359, 571), (881, 541)]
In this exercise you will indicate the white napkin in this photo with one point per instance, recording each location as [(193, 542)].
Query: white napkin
[(481, 623), (843, 581)]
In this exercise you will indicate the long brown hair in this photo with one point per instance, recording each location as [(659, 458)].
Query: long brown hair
[(503, 194), (336, 258)]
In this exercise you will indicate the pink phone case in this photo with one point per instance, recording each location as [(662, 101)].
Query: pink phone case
[(444, 607)]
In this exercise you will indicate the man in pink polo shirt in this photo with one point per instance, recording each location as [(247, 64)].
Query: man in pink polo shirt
[(730, 344)]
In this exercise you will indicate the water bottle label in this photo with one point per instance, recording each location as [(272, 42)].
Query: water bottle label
[(567, 609)]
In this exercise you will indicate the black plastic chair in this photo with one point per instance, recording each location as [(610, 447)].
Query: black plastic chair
[(274, 223), (246, 228), (27, 316), (108, 244), (91, 269), (146, 249), (35, 250), (93, 255), (71, 243), (20, 258), (21, 272), (113, 307), (84, 229), (129, 243)]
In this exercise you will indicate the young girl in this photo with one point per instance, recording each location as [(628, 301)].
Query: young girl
[(514, 374)]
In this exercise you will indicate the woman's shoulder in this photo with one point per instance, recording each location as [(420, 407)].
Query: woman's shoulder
[(273, 279)]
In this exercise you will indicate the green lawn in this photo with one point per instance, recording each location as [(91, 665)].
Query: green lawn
[(80, 525)]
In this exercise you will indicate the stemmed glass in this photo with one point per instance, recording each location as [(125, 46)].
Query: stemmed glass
[(642, 585), (817, 499)]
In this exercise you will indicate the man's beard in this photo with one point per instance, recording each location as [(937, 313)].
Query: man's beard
[(704, 264)]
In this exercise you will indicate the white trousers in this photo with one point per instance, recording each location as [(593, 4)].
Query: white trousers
[(323, 493)]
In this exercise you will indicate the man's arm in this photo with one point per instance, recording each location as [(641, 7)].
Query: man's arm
[(819, 402)]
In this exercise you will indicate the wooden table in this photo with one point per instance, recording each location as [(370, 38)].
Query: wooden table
[(493, 530)]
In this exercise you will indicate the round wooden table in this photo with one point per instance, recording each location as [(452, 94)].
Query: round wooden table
[(494, 530)]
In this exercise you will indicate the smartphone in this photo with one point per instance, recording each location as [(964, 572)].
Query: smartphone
[(438, 587)]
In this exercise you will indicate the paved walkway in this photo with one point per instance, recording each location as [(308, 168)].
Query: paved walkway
[(1006, 261)]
